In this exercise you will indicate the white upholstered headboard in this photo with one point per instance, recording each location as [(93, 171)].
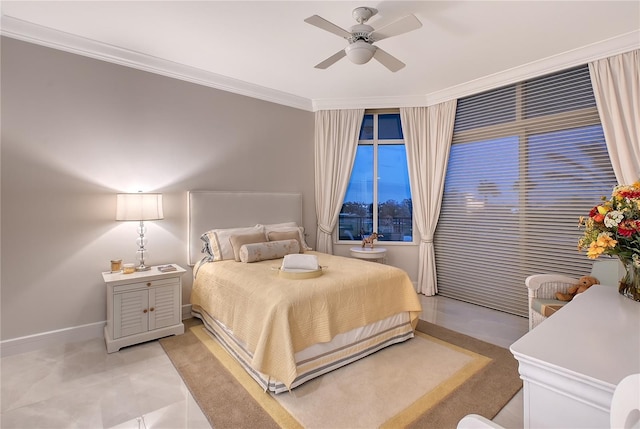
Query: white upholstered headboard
[(217, 209)]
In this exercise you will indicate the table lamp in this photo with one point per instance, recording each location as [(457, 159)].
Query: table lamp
[(139, 207)]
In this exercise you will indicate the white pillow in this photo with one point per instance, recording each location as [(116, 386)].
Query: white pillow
[(218, 245)]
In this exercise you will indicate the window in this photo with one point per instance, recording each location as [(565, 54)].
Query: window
[(381, 154), (525, 163)]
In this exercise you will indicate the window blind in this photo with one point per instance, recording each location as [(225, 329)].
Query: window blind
[(525, 163)]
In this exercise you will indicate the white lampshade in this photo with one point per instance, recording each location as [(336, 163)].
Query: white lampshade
[(139, 207)]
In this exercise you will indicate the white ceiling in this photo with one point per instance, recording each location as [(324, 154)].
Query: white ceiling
[(265, 49)]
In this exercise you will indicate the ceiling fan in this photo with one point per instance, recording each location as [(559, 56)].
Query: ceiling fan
[(362, 36)]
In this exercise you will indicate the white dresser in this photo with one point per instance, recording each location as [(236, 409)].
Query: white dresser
[(571, 363)]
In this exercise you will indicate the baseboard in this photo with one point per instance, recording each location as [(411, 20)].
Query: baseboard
[(186, 311), (74, 334), (30, 343)]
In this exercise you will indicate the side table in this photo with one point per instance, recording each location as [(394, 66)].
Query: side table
[(377, 254), (142, 306)]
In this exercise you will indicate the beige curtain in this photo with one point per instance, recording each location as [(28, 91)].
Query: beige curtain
[(427, 135), (616, 85), (336, 141)]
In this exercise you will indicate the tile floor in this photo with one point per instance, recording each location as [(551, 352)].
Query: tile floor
[(81, 386), (488, 325)]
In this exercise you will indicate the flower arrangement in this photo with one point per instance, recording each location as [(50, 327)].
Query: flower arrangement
[(613, 228)]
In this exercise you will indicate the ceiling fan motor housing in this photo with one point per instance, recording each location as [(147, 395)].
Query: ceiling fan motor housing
[(361, 32)]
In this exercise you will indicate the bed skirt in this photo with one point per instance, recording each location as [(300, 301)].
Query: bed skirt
[(317, 359)]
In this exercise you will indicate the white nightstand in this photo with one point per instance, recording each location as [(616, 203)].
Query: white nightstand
[(142, 306), (378, 254)]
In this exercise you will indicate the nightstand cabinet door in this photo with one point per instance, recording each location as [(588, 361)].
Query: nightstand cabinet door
[(164, 307), (130, 313)]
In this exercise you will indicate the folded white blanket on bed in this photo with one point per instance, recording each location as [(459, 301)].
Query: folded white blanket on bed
[(299, 261)]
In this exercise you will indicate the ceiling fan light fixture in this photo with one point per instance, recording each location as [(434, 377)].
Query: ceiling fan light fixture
[(360, 52)]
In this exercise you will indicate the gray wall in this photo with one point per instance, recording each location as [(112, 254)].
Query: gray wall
[(76, 131)]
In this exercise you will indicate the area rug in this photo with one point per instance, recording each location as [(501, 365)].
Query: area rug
[(456, 375)]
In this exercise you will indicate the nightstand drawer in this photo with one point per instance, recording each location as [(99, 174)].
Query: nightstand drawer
[(146, 284)]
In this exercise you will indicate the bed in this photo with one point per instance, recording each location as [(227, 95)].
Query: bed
[(285, 331)]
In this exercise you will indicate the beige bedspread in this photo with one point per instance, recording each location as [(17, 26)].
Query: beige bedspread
[(278, 317)]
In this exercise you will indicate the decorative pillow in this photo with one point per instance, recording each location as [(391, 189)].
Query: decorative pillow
[(286, 227), (254, 252), (286, 235), (217, 243), (238, 240)]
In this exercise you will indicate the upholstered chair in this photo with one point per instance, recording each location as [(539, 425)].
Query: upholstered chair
[(542, 288)]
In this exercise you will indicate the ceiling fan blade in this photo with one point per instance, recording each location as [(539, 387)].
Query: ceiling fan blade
[(388, 60), (331, 60), (327, 26), (401, 26)]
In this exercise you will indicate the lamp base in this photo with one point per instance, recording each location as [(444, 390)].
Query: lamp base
[(142, 268)]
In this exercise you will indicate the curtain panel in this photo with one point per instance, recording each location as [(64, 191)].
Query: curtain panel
[(616, 86), (336, 141), (427, 133)]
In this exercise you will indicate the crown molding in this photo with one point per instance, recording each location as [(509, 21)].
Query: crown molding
[(596, 51), (33, 33), (370, 102), (603, 49), (40, 35)]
